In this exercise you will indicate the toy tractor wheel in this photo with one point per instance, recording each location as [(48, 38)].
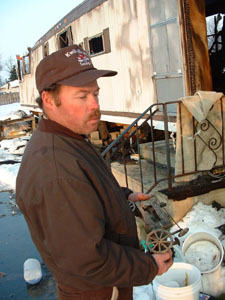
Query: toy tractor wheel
[(132, 205), (159, 241)]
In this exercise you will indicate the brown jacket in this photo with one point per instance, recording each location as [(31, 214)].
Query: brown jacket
[(77, 213)]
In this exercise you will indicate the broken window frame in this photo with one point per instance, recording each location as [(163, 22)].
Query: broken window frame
[(69, 38), (105, 43)]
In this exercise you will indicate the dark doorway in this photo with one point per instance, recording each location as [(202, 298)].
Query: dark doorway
[(215, 20)]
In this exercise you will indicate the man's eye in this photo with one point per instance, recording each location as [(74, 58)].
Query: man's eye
[(82, 97)]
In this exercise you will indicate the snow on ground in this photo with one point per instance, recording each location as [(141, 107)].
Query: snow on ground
[(7, 109), (200, 218), (8, 176), (10, 150), (206, 218)]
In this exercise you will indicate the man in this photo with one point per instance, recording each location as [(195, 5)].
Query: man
[(76, 212)]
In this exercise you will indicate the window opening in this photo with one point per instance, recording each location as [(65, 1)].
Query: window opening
[(65, 38), (26, 64), (96, 45), (216, 46)]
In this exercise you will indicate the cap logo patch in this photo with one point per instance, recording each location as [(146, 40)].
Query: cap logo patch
[(84, 59), (82, 56)]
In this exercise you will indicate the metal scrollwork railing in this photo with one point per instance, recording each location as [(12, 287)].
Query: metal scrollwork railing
[(209, 134)]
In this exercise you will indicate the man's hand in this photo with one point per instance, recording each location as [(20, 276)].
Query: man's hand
[(164, 261), (139, 197)]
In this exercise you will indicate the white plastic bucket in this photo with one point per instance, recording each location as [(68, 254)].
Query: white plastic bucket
[(179, 274), (32, 271), (204, 236)]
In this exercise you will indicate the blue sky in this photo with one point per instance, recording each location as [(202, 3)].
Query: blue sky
[(23, 22)]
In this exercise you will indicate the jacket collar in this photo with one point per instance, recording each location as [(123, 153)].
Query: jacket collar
[(50, 126)]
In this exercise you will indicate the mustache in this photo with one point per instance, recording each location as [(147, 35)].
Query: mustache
[(95, 114)]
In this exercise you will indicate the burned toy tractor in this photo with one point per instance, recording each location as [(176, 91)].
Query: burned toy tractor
[(158, 239)]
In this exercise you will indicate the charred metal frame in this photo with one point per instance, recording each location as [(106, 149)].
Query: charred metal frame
[(149, 115)]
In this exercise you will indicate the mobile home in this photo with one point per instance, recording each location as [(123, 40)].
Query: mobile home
[(158, 47)]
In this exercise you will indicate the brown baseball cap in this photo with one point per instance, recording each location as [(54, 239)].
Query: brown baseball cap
[(68, 66)]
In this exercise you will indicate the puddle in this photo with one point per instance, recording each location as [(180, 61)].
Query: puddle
[(15, 247)]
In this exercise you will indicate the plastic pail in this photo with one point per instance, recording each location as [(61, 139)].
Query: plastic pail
[(186, 277), (32, 271), (204, 236)]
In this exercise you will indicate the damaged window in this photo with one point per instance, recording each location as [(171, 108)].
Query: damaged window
[(65, 38), (98, 44)]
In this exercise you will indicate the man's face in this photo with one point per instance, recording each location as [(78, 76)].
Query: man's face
[(79, 109)]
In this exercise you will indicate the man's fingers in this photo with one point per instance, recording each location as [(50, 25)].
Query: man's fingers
[(167, 255), (164, 261), (139, 197), (143, 196)]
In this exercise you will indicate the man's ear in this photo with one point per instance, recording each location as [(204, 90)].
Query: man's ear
[(47, 99)]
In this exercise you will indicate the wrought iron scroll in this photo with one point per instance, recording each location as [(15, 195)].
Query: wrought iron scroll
[(214, 143)]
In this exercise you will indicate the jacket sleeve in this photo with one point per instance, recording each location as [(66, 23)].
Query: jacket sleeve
[(73, 225)]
